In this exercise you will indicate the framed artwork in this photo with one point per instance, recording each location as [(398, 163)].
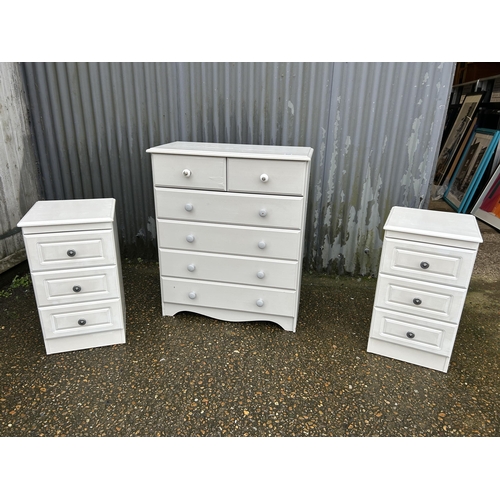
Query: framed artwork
[(457, 132), (487, 207), (476, 157)]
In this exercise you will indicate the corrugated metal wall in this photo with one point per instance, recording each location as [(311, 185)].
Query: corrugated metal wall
[(19, 188), (375, 129)]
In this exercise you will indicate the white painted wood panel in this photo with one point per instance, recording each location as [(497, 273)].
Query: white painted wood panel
[(229, 268), (227, 239), (230, 208)]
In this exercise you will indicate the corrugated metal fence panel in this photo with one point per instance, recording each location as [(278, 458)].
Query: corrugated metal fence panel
[(19, 188), (375, 129)]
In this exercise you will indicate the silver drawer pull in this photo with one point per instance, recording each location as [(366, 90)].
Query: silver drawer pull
[(190, 238), (77, 288), (424, 265), (264, 177), (188, 207), (410, 335), (263, 212), (191, 267), (261, 274), (192, 295), (82, 322), (262, 244), (186, 173), (260, 302), (71, 253), (417, 302)]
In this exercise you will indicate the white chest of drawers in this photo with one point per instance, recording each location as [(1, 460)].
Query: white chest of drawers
[(75, 268), (425, 269), (230, 223)]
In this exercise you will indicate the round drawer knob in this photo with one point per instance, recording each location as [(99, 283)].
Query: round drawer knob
[(192, 295), (263, 212), (424, 265), (262, 244), (190, 238), (186, 173), (82, 322), (191, 267), (71, 253), (417, 302), (77, 288), (188, 207), (410, 335), (260, 274), (264, 177), (260, 302)]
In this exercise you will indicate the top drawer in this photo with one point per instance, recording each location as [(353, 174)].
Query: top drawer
[(427, 262), (192, 172), (70, 250), (266, 176)]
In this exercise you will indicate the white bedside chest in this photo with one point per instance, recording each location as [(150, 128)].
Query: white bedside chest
[(425, 269), (230, 222), (75, 267)]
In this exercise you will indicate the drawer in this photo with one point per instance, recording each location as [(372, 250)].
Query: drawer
[(228, 239), (414, 332), (229, 296), (192, 172), (427, 262), (81, 319), (69, 250), (422, 299), (267, 176), (230, 269), (230, 208), (70, 286)]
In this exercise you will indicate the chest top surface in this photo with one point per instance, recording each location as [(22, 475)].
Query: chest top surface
[(295, 153), (60, 212), (432, 223)]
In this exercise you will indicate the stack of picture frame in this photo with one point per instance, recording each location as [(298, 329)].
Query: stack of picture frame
[(468, 167)]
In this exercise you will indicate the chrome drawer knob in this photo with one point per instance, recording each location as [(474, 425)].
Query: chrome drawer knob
[(82, 322), (264, 177), (192, 295), (262, 244), (190, 238), (263, 212), (260, 274), (186, 173), (417, 302), (260, 302), (410, 335), (188, 207), (424, 265), (191, 267), (77, 288), (71, 253)]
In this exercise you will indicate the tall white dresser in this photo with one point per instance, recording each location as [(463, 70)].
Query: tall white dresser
[(425, 269), (75, 267), (230, 223)]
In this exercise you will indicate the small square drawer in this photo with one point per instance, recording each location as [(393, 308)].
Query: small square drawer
[(420, 298), (266, 176), (411, 331), (71, 286), (192, 172), (81, 319), (69, 250), (427, 262)]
